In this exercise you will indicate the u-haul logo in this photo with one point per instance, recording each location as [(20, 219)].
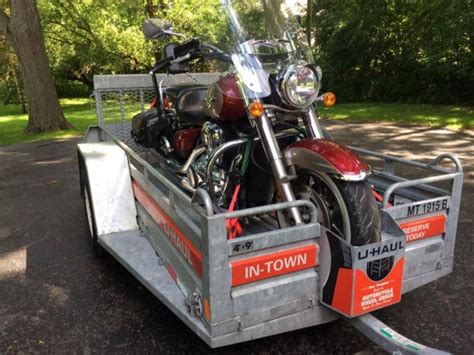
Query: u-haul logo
[(424, 227), (179, 243), (270, 265), (185, 248), (380, 250)]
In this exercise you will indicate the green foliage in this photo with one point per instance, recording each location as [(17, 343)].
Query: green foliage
[(10, 77), (385, 50), (93, 37), (72, 88), (200, 19), (397, 50)]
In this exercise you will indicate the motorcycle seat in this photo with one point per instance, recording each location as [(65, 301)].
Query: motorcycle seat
[(188, 102)]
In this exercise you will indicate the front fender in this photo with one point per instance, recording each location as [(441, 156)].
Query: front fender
[(327, 156)]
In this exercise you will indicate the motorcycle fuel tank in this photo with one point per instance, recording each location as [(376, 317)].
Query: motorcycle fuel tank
[(223, 101)]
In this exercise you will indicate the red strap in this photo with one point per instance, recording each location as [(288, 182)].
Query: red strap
[(234, 229), (379, 197), (234, 198)]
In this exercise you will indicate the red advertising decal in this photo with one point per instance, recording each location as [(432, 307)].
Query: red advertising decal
[(424, 227), (342, 299), (273, 264), (369, 295), (187, 250)]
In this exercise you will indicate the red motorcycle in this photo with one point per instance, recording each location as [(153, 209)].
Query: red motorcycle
[(253, 136)]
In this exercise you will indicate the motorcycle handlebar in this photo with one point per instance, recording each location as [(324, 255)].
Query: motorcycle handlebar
[(191, 50), (220, 56), (162, 64)]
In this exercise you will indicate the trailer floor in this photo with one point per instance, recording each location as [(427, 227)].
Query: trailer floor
[(55, 296)]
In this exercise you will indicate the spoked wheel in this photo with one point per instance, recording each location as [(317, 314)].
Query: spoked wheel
[(347, 208), (89, 212)]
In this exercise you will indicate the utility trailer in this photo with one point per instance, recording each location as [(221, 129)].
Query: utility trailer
[(269, 280)]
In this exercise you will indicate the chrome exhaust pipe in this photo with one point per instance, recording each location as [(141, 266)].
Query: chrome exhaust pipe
[(194, 154)]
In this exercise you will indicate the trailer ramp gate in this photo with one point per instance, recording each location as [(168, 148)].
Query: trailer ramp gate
[(270, 280)]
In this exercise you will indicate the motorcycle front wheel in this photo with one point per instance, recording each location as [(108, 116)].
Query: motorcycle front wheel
[(347, 208)]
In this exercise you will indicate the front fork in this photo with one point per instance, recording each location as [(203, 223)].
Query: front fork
[(273, 153), (310, 120)]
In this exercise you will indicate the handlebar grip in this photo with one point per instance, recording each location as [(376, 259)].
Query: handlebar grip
[(188, 47), (161, 65)]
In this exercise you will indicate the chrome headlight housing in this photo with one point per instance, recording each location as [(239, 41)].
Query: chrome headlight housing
[(298, 84)]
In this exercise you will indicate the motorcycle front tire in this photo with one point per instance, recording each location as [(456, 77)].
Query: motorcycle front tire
[(348, 208)]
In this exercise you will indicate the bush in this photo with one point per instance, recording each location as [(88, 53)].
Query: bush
[(69, 89), (8, 94), (396, 51)]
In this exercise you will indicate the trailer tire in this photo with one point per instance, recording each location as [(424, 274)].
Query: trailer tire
[(89, 210)]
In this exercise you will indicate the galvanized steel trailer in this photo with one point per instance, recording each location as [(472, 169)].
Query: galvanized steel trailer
[(270, 280)]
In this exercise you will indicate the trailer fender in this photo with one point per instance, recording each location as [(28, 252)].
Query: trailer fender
[(107, 171), (327, 156)]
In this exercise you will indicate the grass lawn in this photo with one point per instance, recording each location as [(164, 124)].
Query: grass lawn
[(80, 115), (12, 123), (455, 117)]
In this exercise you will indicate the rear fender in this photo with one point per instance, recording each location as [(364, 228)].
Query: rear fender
[(327, 156)]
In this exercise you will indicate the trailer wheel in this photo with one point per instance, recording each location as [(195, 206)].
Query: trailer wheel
[(89, 211), (347, 208)]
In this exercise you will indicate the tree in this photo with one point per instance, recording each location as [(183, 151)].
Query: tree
[(90, 37), (394, 50), (11, 85), (85, 38), (22, 29)]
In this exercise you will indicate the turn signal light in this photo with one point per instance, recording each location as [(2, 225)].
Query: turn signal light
[(256, 109), (329, 99)]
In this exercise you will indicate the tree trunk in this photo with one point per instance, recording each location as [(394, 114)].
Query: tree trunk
[(23, 31), (150, 8)]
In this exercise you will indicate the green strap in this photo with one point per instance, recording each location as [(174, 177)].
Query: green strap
[(246, 158)]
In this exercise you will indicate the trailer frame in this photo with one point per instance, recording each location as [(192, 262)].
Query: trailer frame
[(178, 248)]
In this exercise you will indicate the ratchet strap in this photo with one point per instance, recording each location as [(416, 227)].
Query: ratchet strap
[(234, 229), (379, 197)]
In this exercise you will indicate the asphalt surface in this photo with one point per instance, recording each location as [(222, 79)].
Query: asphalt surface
[(55, 296)]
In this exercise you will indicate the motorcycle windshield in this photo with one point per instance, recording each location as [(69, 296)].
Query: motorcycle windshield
[(265, 36)]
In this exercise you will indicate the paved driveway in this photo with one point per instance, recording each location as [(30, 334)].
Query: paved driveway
[(55, 296)]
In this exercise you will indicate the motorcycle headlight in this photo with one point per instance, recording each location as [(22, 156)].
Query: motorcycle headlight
[(299, 84)]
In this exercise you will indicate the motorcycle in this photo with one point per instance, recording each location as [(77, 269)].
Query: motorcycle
[(253, 136)]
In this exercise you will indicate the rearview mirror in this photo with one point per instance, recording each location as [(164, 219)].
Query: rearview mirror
[(155, 28)]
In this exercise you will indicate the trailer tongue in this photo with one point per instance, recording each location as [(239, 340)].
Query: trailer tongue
[(388, 338), (269, 280)]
